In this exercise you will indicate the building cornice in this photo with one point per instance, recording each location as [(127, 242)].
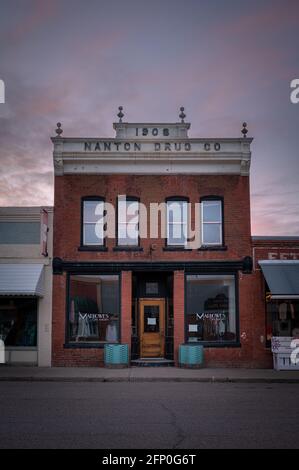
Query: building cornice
[(220, 156)]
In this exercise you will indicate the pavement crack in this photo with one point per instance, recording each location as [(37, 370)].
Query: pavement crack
[(180, 434)]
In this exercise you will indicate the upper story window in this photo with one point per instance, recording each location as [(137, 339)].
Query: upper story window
[(177, 222), (212, 221), (128, 221), (93, 221)]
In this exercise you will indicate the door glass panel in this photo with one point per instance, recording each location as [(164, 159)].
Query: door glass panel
[(151, 319)]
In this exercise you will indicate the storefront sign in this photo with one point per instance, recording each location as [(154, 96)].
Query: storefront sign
[(115, 146), (283, 256), (211, 316), (275, 253), (94, 316)]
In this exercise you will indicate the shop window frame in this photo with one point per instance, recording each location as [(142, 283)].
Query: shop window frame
[(88, 345), (214, 344)]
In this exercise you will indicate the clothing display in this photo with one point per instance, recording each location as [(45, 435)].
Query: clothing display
[(83, 327), (111, 332), (292, 311), (214, 327), (282, 309)]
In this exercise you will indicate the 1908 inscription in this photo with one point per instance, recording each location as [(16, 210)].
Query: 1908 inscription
[(144, 131)]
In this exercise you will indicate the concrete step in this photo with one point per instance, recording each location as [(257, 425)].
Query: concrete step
[(152, 362)]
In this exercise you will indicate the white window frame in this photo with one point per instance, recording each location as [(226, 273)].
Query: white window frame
[(182, 223), (220, 222), (128, 223), (100, 223)]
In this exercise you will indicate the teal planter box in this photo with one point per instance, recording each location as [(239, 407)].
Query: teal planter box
[(191, 355), (116, 355)]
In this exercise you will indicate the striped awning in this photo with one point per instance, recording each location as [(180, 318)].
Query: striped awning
[(282, 277), (22, 279)]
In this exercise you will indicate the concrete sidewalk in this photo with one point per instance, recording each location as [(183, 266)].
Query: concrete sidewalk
[(145, 374)]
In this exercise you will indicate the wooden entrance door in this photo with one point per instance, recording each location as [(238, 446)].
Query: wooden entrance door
[(152, 327)]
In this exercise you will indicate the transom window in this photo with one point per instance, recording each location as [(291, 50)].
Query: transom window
[(93, 222), (211, 222), (177, 222)]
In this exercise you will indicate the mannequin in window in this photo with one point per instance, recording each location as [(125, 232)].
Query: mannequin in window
[(282, 311), (111, 331)]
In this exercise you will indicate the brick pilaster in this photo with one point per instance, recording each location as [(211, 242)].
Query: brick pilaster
[(178, 311), (126, 307)]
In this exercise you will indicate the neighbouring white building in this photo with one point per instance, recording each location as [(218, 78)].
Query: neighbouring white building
[(26, 284)]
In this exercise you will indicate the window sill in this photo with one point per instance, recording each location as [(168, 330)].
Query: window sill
[(213, 248), (127, 248), (214, 345), (176, 248), (92, 248), (86, 345)]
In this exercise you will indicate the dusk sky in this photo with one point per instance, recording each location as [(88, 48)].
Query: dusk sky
[(226, 61)]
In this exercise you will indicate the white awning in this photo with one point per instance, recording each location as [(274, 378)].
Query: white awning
[(282, 277), (22, 279)]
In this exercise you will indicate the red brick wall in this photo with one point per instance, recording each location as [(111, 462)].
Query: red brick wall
[(69, 189), (126, 307), (178, 311), (275, 249)]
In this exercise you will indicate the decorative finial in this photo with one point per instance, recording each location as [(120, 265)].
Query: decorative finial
[(58, 131), (244, 130), (120, 114), (182, 114)]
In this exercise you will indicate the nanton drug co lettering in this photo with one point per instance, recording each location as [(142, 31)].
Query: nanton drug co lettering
[(114, 146)]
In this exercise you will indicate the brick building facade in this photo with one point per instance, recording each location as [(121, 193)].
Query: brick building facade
[(155, 293)]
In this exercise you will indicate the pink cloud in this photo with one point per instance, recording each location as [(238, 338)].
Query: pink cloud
[(40, 11)]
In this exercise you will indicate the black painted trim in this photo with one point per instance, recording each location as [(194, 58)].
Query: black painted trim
[(212, 248), (227, 345), (206, 344), (92, 248), (71, 345), (127, 248), (176, 248), (103, 267), (84, 345)]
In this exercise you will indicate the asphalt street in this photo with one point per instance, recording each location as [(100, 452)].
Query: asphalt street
[(148, 415)]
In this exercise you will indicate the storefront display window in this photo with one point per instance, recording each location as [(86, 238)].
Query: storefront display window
[(18, 321), (93, 309), (211, 309), (282, 319)]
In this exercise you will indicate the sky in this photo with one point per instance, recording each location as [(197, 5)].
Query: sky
[(225, 61)]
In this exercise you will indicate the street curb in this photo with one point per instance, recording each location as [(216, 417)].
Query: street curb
[(153, 379)]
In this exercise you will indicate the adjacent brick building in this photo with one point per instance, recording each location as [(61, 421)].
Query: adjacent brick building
[(155, 292)]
